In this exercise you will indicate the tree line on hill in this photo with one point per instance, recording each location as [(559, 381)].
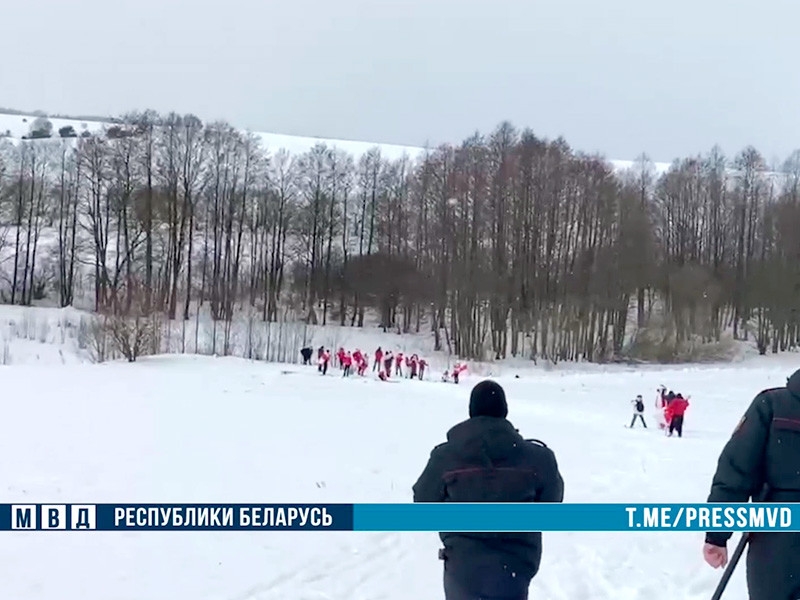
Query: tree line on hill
[(504, 245)]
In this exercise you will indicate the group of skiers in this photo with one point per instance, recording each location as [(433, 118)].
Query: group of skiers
[(671, 410), (385, 363)]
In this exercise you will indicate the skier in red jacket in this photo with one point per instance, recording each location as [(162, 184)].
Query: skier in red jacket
[(422, 364), (324, 360), (362, 365), (340, 358), (347, 363), (378, 359), (676, 409)]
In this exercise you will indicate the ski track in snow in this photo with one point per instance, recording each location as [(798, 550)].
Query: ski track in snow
[(192, 429)]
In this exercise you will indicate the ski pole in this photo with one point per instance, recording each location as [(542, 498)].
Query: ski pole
[(726, 576)]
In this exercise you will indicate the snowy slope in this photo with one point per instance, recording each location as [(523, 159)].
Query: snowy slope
[(195, 429), (19, 125)]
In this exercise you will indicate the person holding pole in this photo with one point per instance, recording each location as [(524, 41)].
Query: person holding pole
[(762, 461)]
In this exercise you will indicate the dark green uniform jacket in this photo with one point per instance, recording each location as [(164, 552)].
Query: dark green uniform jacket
[(486, 460), (765, 449)]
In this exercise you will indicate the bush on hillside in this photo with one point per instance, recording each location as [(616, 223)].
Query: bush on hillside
[(41, 128), (133, 336), (68, 131), (657, 343)]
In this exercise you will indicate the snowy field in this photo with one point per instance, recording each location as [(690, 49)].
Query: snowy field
[(200, 429)]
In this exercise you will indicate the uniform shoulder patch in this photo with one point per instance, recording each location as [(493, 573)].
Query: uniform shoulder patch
[(739, 425), (537, 442)]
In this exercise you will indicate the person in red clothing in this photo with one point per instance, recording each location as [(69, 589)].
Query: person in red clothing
[(324, 360), (357, 355), (412, 365), (667, 412), (676, 409), (378, 359), (362, 365), (339, 358), (458, 368), (347, 362), (398, 369), (422, 364)]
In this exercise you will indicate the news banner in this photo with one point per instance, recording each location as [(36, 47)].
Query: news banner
[(446, 516)]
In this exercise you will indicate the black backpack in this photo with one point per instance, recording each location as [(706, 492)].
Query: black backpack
[(639, 406)]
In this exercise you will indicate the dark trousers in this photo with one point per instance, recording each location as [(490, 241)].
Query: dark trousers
[(676, 425), (455, 589), (633, 420), (773, 566)]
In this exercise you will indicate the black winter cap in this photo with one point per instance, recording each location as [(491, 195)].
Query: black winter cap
[(488, 399)]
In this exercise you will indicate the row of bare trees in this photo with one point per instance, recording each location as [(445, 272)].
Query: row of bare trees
[(507, 244)]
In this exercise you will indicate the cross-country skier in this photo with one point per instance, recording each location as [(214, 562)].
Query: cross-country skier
[(323, 361), (412, 366), (763, 454), (638, 411), (458, 368), (388, 360), (362, 366), (422, 364), (347, 363), (485, 459), (398, 369), (378, 359), (340, 358), (676, 410)]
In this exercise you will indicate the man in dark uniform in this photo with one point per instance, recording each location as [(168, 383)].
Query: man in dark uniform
[(764, 450), (485, 459)]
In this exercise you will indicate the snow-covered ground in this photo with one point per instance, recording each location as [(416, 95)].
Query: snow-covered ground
[(202, 429)]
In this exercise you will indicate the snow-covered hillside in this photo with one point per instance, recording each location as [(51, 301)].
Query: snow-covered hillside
[(46, 335), (40, 335), (198, 429), (19, 125)]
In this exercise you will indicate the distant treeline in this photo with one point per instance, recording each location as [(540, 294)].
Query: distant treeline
[(507, 244)]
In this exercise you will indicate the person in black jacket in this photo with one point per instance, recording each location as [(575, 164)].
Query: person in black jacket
[(485, 459), (764, 450), (306, 354)]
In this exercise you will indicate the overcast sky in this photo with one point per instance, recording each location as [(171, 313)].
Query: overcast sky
[(616, 76)]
